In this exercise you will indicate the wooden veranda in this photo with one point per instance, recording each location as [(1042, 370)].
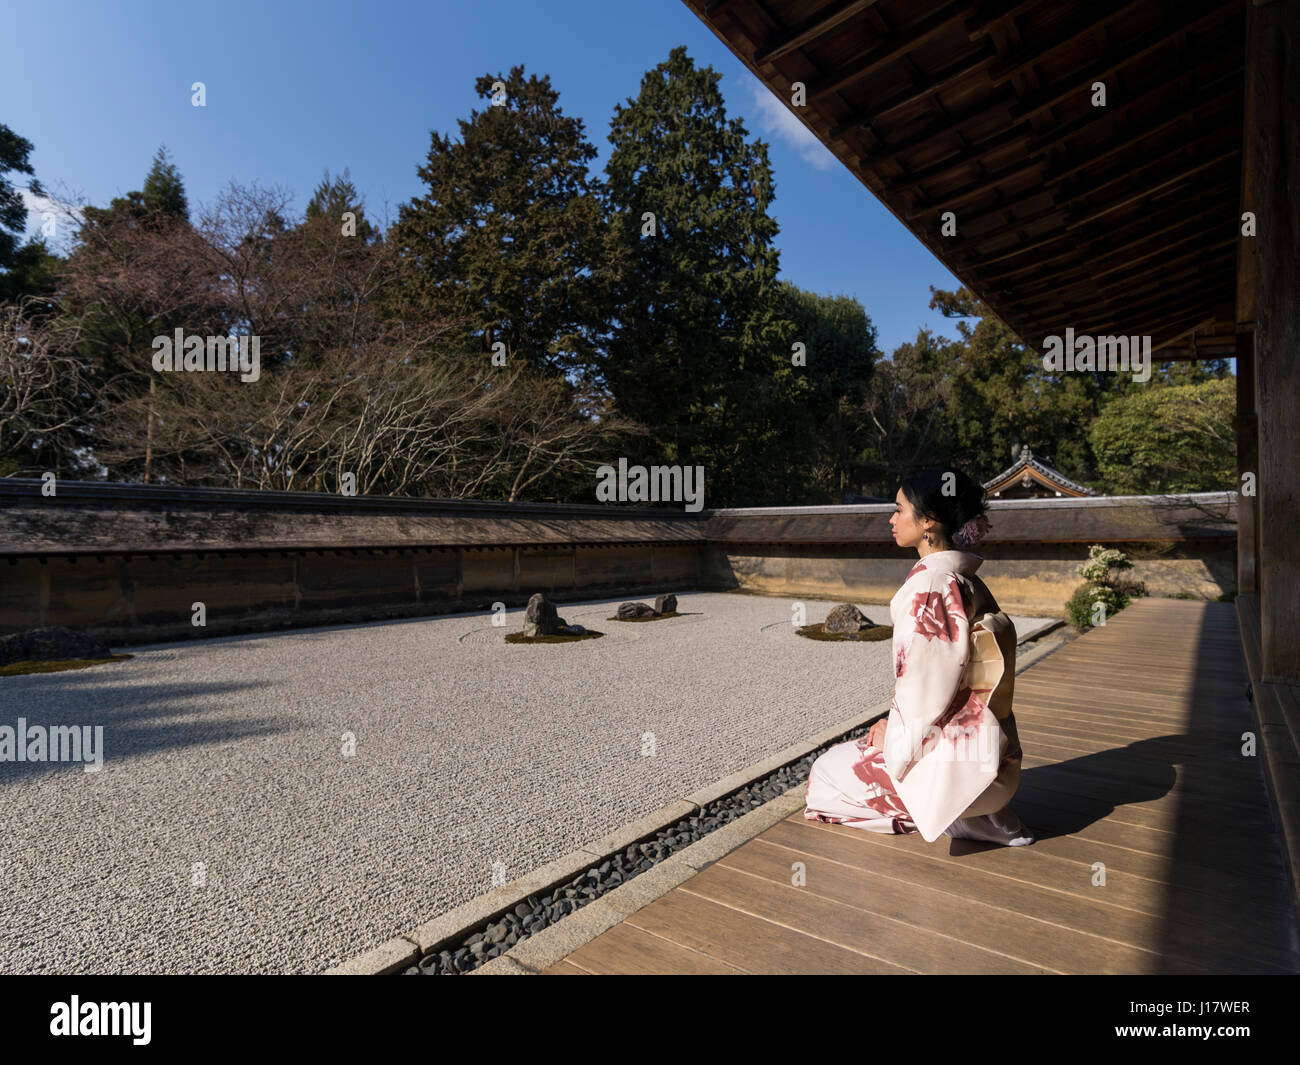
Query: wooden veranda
[(1135, 765)]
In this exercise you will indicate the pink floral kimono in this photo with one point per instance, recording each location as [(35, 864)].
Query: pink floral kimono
[(951, 760)]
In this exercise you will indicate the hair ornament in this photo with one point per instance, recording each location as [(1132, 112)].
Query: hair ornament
[(972, 532)]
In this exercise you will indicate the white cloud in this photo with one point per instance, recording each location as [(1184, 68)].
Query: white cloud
[(776, 120), (66, 217)]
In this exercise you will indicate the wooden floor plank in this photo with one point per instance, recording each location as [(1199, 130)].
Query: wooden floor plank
[(565, 967), (1087, 697), (1064, 817), (1162, 815), (1052, 886), (863, 929), (1085, 688), (749, 942), (1095, 719), (1041, 709), (1098, 732), (1248, 887), (628, 950), (1086, 693), (1174, 738), (1223, 781), (1052, 749), (1067, 778), (1025, 935), (797, 819), (1073, 687)]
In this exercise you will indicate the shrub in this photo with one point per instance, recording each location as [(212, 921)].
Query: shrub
[(1103, 586), (1101, 560), (1081, 605)]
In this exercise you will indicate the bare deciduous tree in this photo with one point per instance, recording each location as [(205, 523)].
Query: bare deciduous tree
[(40, 389), (346, 386)]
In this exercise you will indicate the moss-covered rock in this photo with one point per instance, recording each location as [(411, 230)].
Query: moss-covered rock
[(871, 635)]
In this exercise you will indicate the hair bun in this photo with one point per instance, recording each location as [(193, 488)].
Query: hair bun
[(930, 492)]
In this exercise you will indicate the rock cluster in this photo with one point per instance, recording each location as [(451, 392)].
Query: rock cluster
[(664, 604)]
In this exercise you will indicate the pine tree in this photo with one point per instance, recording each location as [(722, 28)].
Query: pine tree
[(509, 233), (14, 152), (841, 352), (159, 203), (701, 349), (29, 268), (336, 197), (33, 271), (163, 191)]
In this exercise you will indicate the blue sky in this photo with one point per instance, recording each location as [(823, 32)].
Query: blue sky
[(294, 88)]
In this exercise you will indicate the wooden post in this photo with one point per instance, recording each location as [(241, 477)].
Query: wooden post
[(1273, 84), (1247, 421), (1247, 463)]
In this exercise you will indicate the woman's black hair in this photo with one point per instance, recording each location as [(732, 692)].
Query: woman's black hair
[(945, 494)]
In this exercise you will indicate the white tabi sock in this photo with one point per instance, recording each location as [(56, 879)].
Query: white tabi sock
[(1002, 827)]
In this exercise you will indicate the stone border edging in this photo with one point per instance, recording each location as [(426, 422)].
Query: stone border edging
[(400, 952)]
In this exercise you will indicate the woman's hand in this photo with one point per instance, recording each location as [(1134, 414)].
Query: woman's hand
[(876, 734)]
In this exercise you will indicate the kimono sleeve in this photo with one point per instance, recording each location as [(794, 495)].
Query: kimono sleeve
[(929, 665)]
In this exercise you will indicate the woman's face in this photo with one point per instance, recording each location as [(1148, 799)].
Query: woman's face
[(908, 532)]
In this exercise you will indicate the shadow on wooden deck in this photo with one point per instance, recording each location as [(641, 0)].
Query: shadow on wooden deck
[(1157, 851)]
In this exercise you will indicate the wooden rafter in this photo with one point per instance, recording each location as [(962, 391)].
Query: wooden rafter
[(872, 59), (1091, 18), (1106, 242), (1184, 111), (1182, 174), (1079, 84), (919, 90), (810, 30), (995, 14)]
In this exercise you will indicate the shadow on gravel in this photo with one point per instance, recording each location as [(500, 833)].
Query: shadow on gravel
[(125, 712)]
